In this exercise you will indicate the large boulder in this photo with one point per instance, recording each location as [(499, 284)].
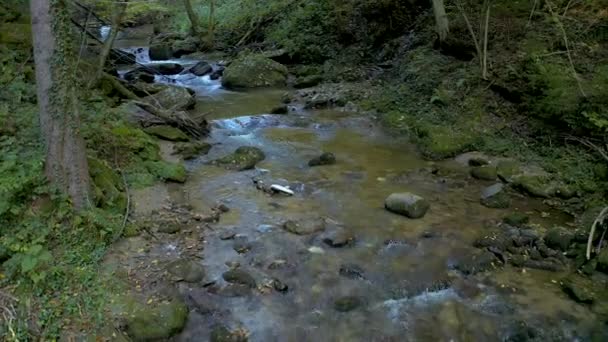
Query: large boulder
[(254, 71), (408, 204), (160, 52), (185, 46), (165, 68), (156, 322), (173, 98), (244, 158), (140, 75)]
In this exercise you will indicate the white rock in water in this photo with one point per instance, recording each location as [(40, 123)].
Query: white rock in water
[(283, 189), (316, 250)]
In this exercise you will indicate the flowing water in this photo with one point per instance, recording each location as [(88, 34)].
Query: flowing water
[(398, 272)]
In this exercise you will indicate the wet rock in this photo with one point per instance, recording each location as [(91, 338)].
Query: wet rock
[(235, 290), (485, 172), (191, 150), (241, 245), (186, 270), (216, 74), (304, 227), (351, 271), (347, 303), (307, 81), (238, 276), (227, 235), (279, 285), (164, 68), (559, 238), (201, 69), (170, 227), (277, 264), (475, 262), (495, 196), (280, 109), (139, 74), (579, 289), (408, 204), (185, 47), (167, 133), (157, 322), (548, 264), (160, 52), (173, 98), (326, 158), (521, 332), (244, 158), (496, 240), (254, 71), (516, 219)]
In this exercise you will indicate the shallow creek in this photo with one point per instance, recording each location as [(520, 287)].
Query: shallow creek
[(398, 272)]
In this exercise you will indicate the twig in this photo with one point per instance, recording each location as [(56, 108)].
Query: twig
[(471, 31), (599, 219), (588, 143), (532, 13), (484, 72), (567, 7)]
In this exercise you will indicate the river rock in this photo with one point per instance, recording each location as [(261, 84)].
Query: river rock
[(304, 227), (160, 52), (338, 237), (186, 270), (254, 71), (507, 169), (279, 285), (173, 98), (167, 133), (485, 172), (326, 158), (241, 245), (559, 238), (516, 219), (201, 69), (495, 196), (408, 204), (164, 68), (535, 185), (157, 322), (185, 46), (216, 74), (347, 303), (222, 334), (351, 271), (280, 109), (244, 158), (475, 262), (308, 81), (238, 276), (602, 260), (139, 74)]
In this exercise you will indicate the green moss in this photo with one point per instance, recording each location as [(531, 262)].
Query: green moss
[(167, 171), (167, 133), (485, 172), (538, 186), (440, 142), (108, 184), (191, 150), (244, 158), (156, 322)]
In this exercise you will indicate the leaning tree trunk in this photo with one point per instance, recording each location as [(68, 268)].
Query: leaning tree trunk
[(66, 164), (118, 13), (441, 19), (211, 31)]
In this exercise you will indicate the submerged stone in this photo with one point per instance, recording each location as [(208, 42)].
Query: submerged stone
[(326, 158), (167, 133), (304, 227), (238, 276), (408, 204), (516, 219), (201, 69), (347, 303), (191, 150), (244, 158)]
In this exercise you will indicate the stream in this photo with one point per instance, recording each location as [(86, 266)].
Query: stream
[(395, 279)]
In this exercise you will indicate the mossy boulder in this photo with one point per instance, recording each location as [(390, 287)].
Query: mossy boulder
[(308, 81), (191, 150), (167, 171), (238, 276), (407, 204), (254, 71), (167, 133), (160, 52), (559, 238), (495, 196), (157, 322), (186, 270), (516, 219), (173, 98), (485, 172), (579, 289), (507, 169), (535, 185), (107, 184), (244, 158)]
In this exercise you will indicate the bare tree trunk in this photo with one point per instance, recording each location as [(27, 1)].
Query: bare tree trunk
[(196, 28), (117, 15), (441, 19), (66, 164)]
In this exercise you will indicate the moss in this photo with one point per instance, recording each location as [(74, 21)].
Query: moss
[(13, 33), (191, 150), (535, 185), (244, 158), (167, 133), (440, 142), (108, 184), (507, 169), (516, 219), (485, 172), (156, 322), (167, 171)]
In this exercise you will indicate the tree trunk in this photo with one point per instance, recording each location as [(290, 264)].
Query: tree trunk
[(193, 19), (441, 19), (66, 164), (211, 31), (118, 13)]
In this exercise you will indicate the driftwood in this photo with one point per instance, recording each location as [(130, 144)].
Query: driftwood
[(179, 119), (598, 221)]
